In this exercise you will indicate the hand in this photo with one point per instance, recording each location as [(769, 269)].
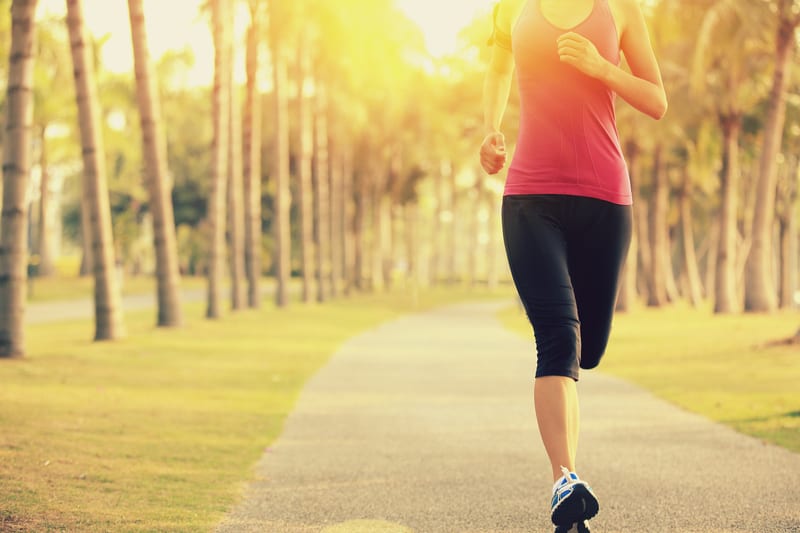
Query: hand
[(493, 152), (578, 51)]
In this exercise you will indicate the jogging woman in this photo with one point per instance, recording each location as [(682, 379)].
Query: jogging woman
[(567, 202)]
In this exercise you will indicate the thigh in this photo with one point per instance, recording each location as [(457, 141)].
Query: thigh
[(537, 256), (597, 252)]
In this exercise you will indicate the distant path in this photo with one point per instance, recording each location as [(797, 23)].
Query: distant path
[(76, 309), (426, 424)]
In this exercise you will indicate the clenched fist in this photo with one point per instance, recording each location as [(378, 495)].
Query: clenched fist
[(493, 153)]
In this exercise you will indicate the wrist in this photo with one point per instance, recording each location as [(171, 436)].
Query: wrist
[(605, 71)]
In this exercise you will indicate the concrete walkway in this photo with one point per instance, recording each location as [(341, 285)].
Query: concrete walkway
[(426, 424)]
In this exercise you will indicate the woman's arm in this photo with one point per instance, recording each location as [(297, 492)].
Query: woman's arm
[(496, 89), (643, 87)]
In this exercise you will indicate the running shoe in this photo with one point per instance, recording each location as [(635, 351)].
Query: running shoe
[(580, 527), (573, 500)]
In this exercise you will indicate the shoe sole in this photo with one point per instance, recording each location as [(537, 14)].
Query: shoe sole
[(578, 506)]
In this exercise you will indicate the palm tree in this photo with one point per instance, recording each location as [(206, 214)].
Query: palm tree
[(156, 175), (236, 214), (321, 193), (252, 161), (760, 294), (283, 199), (734, 96), (216, 261), (305, 145), (16, 172), (107, 294)]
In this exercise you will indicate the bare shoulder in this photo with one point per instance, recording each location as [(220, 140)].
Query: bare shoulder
[(625, 12), (508, 13)]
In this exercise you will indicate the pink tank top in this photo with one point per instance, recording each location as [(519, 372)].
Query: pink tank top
[(568, 141)]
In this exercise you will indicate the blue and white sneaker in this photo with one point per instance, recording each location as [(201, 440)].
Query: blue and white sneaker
[(573, 500), (580, 527)]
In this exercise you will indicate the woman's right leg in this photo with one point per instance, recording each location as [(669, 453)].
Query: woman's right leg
[(537, 253), (537, 256)]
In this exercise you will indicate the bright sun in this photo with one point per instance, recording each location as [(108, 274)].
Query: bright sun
[(441, 20)]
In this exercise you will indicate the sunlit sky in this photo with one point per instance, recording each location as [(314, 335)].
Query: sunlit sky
[(176, 25)]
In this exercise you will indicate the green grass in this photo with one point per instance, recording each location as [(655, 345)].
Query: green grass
[(160, 431), (721, 367)]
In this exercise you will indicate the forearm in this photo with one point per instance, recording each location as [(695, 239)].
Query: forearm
[(642, 94), (496, 89)]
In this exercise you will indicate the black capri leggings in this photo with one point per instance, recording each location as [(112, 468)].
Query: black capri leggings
[(566, 254)]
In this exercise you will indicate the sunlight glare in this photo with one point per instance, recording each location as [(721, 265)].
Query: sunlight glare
[(442, 20)]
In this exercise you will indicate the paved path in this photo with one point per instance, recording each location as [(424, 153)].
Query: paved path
[(80, 308), (425, 424)]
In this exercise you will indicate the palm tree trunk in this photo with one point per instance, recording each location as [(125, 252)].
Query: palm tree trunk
[(252, 163), (45, 243), (236, 215), (659, 238), (359, 233), (348, 217), (322, 203), (337, 218), (694, 285), (305, 132), (493, 253), (107, 294), (789, 235), (725, 300), (452, 248), (627, 290), (216, 205), (156, 175), (16, 173), (283, 195), (760, 294)]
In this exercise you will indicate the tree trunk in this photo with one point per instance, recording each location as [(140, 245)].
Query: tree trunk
[(236, 215), (437, 248), (378, 242), (694, 285), (216, 204), (107, 294), (46, 267), (789, 235), (305, 132), (627, 290), (725, 300), (337, 218), (492, 256), (348, 216), (156, 175), (359, 232), (16, 174), (283, 195), (760, 294), (252, 163), (452, 249), (322, 199), (659, 239)]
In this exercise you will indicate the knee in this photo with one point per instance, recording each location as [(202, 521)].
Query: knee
[(591, 354), (557, 349)]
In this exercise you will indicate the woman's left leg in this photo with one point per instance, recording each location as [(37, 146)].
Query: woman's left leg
[(595, 267)]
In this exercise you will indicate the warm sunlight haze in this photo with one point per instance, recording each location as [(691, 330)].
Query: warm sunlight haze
[(178, 25), (441, 20)]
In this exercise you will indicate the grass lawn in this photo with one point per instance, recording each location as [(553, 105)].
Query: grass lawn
[(161, 431), (718, 366)]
